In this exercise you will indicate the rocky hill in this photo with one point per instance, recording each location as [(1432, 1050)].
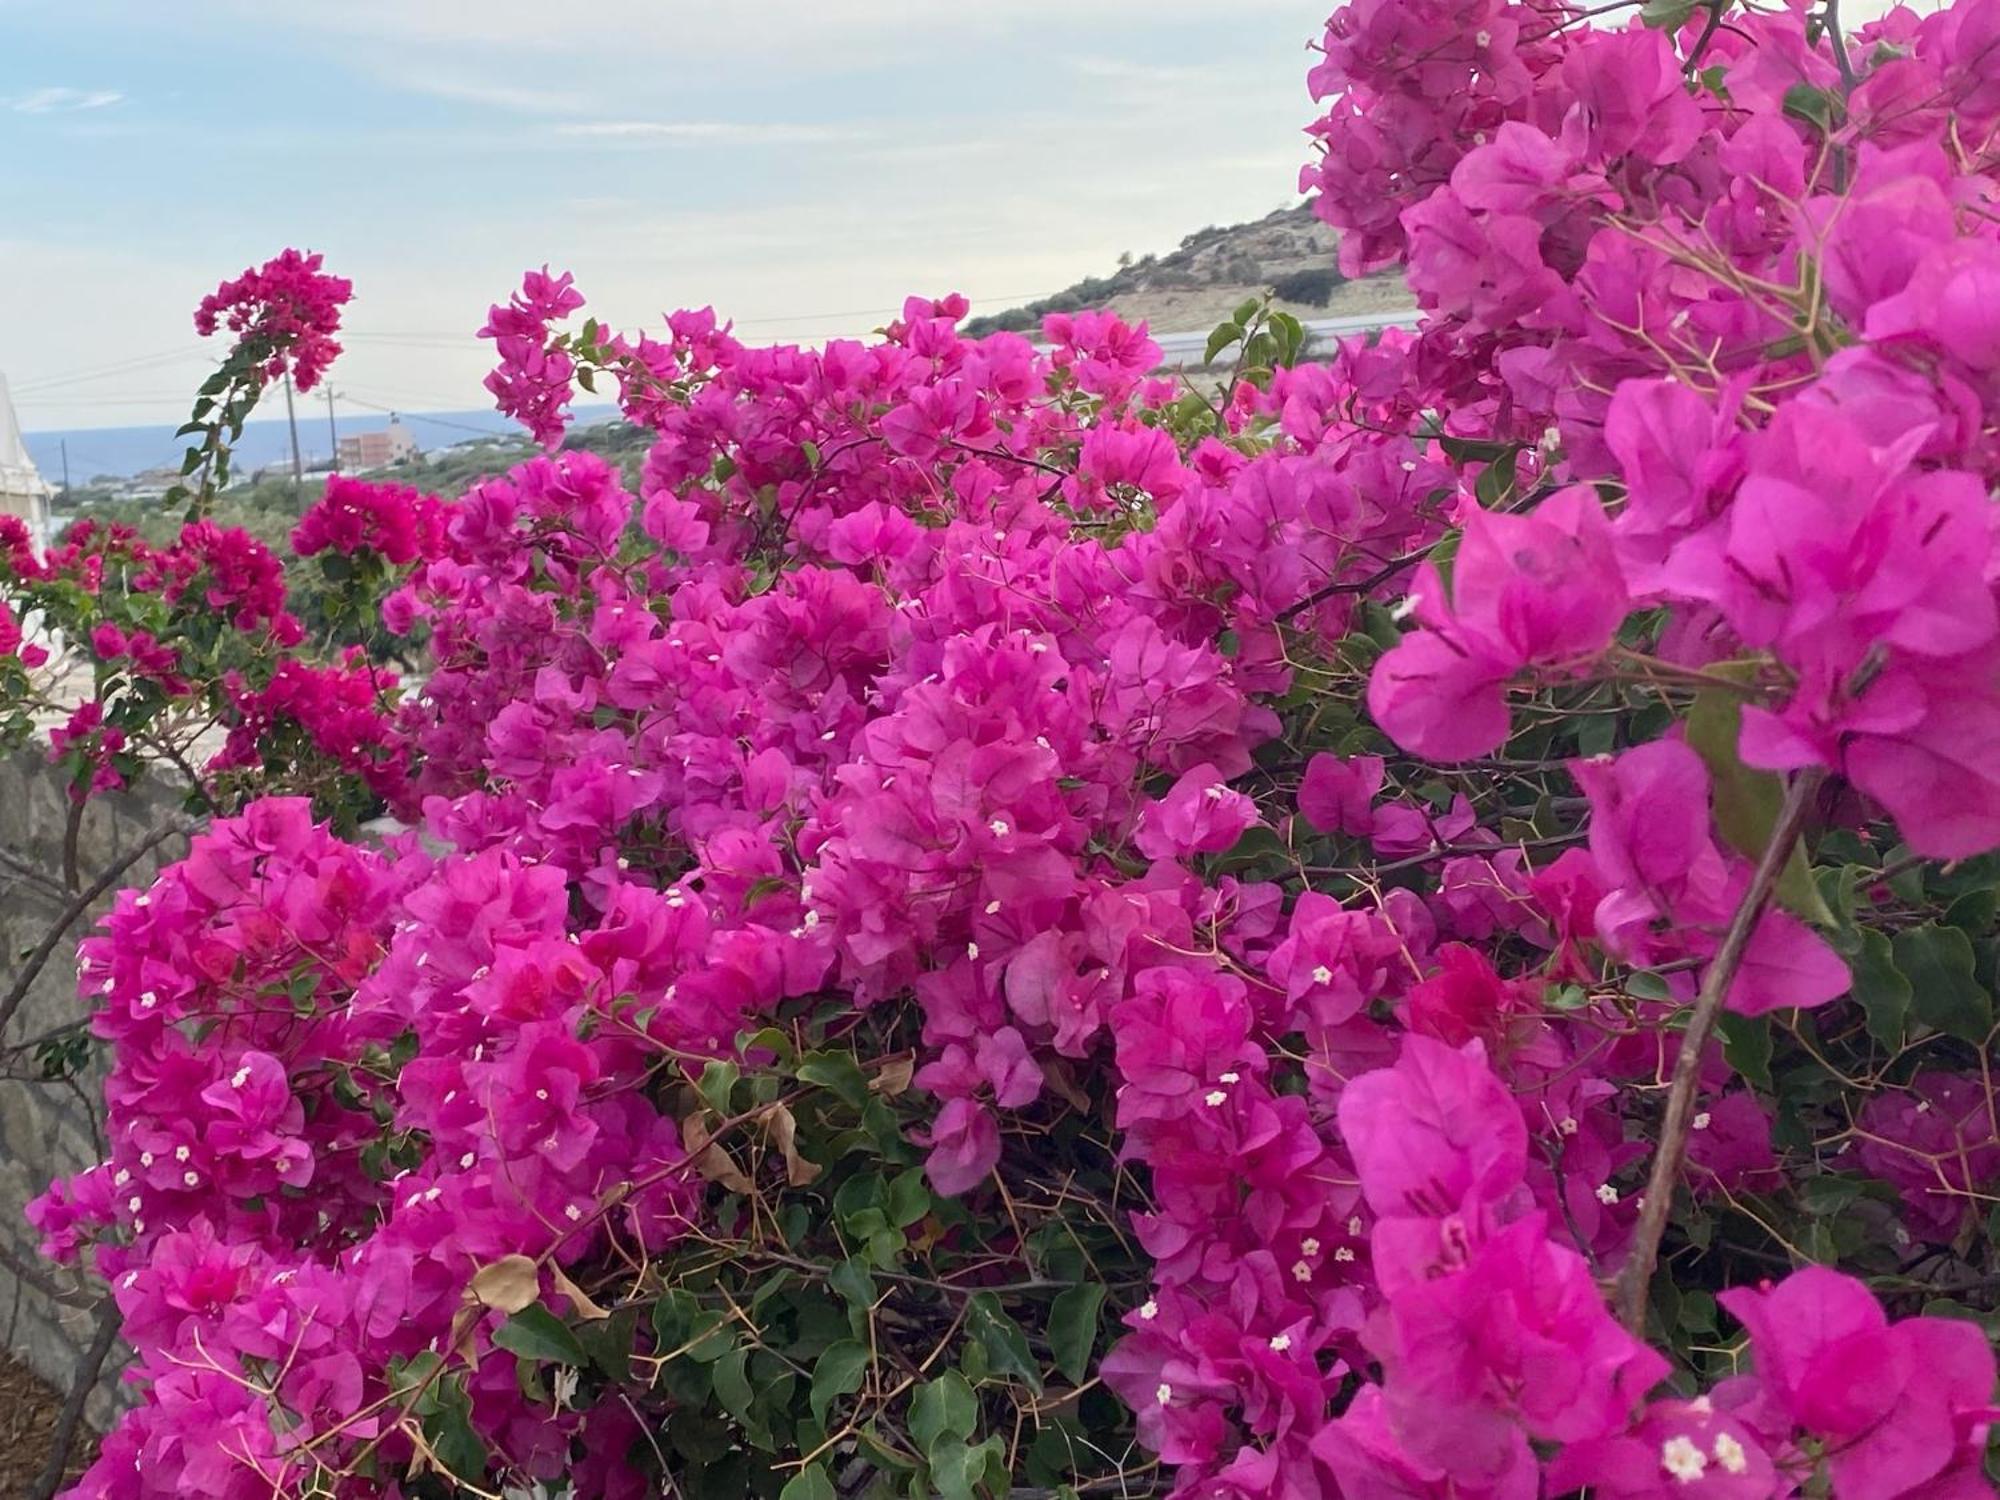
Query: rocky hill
[(1289, 253)]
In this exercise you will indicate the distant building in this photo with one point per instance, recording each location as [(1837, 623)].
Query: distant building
[(23, 492), (149, 484), (377, 450)]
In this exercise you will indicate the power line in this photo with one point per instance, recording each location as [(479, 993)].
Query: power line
[(73, 401), (397, 411), (81, 377)]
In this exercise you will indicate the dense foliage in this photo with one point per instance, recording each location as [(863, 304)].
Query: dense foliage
[(1420, 926)]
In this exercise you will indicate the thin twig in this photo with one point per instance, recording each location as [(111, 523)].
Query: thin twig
[(38, 960), (1715, 986), (88, 1368), (1716, 8), (72, 833), (1840, 57), (23, 870), (30, 1275), (1359, 586)]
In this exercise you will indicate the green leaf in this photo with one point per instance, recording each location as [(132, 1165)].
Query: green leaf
[(411, 1381), (1566, 997), (452, 1439), (770, 1039), (945, 1407), (1644, 984), (713, 1337), (1496, 479), (732, 1383), (1697, 1311), (837, 1373), (1840, 888), (1938, 962), (717, 1080), (608, 1341), (1245, 311), (1746, 1046), (1747, 801), (1828, 1195), (857, 1205), (1814, 105), (810, 1483), (1073, 1329), (1259, 842), (1001, 1337), (1880, 988), (1472, 450), (1668, 15), (1974, 912), (1225, 334), (909, 1198), (955, 1469), (536, 1333), (837, 1071), (856, 1285)]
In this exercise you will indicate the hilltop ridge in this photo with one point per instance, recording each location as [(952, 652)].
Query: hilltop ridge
[(1196, 285)]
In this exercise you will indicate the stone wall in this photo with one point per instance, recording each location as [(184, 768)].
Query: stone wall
[(50, 1129)]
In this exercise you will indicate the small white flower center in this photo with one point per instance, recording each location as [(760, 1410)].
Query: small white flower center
[(1683, 1460)]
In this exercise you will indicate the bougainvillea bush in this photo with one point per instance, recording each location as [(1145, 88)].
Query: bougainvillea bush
[(190, 655), (1414, 924)]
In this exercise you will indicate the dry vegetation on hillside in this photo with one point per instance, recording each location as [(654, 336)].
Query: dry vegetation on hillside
[(1196, 286)]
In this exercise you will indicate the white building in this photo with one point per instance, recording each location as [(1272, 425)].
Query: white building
[(23, 492)]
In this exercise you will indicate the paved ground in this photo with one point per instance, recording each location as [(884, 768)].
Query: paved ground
[(28, 1409)]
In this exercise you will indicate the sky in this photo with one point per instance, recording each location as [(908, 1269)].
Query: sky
[(800, 166)]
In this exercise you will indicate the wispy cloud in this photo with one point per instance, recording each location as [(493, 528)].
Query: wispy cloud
[(490, 93), (1124, 70), (719, 132), (62, 100)]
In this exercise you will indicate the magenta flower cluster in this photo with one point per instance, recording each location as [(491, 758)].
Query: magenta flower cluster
[(288, 308), (395, 521), (957, 671)]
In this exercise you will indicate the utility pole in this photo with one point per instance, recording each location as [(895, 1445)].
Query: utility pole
[(65, 458), (298, 469), (332, 433)]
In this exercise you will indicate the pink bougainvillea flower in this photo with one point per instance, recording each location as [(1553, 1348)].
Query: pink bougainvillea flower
[(1898, 1405)]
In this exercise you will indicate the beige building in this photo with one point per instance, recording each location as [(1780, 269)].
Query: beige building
[(377, 450)]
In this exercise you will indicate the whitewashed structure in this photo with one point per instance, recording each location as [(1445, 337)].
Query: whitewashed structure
[(23, 491)]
